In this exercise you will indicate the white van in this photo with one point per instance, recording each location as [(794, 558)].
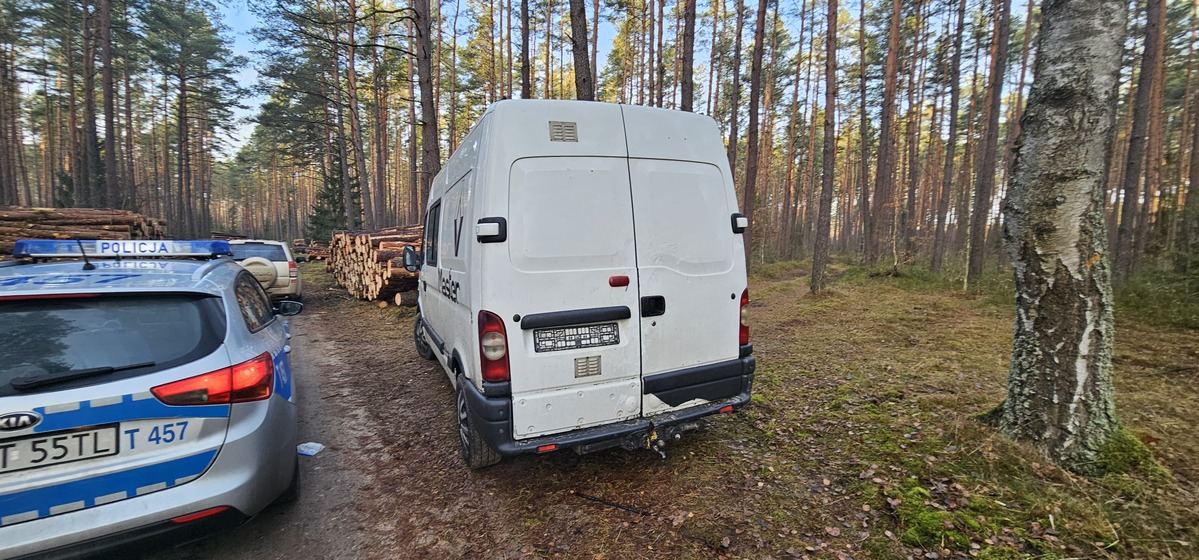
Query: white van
[(583, 279)]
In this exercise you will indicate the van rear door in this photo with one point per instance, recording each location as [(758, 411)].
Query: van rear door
[(691, 265), (576, 354)]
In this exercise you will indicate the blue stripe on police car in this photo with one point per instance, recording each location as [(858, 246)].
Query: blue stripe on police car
[(39, 502)]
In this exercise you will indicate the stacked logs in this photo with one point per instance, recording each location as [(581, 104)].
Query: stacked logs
[(370, 264), (17, 222), (318, 251)]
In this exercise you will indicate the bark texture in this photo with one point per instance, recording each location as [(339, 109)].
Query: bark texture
[(430, 145), (824, 217), (883, 206), (985, 183), (687, 81), (751, 136), (1138, 140), (1060, 385), (939, 236), (584, 87)]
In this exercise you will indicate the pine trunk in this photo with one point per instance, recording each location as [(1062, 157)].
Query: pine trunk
[(824, 218), (751, 154), (883, 206), (985, 183), (430, 147), (1138, 140), (687, 80), (939, 235), (735, 97), (584, 87)]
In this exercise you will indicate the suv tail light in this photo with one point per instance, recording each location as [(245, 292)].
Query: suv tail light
[(292, 271), (248, 381), (493, 347), (744, 317)]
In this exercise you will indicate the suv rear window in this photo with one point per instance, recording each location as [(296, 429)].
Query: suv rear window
[(242, 251), (155, 331)]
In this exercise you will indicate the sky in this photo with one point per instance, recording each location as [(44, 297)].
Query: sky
[(240, 20)]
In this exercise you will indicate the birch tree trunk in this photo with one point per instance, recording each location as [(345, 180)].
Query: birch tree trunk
[(1060, 384)]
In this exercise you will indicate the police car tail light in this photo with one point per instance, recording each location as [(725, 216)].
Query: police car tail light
[(252, 380), (248, 381), (493, 347), (745, 317)]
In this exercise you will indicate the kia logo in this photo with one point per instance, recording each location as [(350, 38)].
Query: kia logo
[(18, 421)]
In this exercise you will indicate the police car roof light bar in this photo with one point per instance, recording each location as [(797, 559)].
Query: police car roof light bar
[(135, 248)]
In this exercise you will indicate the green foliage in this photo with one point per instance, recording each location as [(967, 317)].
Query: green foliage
[(328, 212), (1163, 298)]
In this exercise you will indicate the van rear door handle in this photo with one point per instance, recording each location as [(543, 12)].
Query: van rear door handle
[(653, 306)]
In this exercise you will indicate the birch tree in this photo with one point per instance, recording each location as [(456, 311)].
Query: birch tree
[(1060, 384)]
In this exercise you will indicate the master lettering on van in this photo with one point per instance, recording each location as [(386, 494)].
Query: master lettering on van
[(600, 300)]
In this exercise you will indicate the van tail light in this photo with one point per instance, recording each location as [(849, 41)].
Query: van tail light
[(745, 317), (493, 347), (245, 382)]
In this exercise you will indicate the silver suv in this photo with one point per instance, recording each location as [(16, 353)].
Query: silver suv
[(272, 264)]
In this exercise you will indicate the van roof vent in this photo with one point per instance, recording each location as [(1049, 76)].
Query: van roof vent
[(562, 131)]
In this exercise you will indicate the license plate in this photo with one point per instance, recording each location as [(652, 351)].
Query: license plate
[(572, 338), (44, 450)]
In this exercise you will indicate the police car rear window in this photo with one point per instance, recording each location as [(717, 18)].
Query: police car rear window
[(45, 338), (242, 251)]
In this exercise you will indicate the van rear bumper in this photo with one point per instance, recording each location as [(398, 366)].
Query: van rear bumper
[(726, 384)]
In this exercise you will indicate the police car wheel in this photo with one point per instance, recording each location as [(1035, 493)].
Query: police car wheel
[(475, 452), (418, 336)]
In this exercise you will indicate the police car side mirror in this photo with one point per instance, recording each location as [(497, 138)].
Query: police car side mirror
[(412, 259), (289, 308)]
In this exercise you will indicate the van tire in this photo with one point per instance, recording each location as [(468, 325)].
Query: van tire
[(418, 338), (475, 452)]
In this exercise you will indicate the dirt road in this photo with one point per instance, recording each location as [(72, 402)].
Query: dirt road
[(390, 483)]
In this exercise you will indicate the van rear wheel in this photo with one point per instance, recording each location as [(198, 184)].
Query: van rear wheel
[(475, 452), (418, 337)]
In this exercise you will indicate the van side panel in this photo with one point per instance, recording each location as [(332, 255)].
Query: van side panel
[(453, 281)]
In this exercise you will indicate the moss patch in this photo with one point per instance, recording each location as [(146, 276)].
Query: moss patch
[(1124, 453)]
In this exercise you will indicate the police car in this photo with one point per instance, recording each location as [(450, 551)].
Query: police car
[(145, 392)]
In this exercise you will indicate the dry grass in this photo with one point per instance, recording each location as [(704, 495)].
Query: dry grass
[(861, 442)]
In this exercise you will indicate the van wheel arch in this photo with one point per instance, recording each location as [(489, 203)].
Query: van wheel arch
[(475, 451)]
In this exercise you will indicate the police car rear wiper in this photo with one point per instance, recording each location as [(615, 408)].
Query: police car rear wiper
[(39, 380)]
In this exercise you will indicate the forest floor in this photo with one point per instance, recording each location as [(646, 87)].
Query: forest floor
[(861, 442)]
